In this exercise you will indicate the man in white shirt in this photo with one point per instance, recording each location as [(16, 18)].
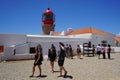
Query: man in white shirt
[(98, 50)]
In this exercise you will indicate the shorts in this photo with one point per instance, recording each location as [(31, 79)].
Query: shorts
[(98, 52), (60, 62)]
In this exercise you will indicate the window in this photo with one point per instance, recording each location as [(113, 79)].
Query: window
[(104, 42), (32, 50), (48, 17)]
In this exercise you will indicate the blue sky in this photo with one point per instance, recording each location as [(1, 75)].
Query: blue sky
[(24, 16)]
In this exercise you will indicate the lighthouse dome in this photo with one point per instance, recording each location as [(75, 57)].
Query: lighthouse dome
[(48, 11), (48, 17)]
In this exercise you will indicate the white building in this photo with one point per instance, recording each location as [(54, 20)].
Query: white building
[(18, 46)]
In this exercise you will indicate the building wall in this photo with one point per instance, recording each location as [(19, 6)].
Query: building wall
[(21, 43), (46, 41), (87, 35), (10, 42), (12, 39), (97, 38)]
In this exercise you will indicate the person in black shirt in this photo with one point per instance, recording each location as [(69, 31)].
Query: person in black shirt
[(61, 59), (38, 60), (52, 56)]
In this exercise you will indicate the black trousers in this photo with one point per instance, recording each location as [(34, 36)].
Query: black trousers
[(108, 55), (104, 55)]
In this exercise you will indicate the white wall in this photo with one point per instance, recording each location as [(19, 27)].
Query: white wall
[(115, 49), (47, 41), (9, 55), (22, 49), (97, 38), (88, 36), (12, 39), (22, 43)]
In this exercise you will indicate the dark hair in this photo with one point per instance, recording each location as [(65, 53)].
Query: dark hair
[(78, 45), (52, 46), (109, 45), (39, 48), (61, 44)]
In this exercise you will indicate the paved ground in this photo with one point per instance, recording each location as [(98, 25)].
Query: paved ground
[(88, 68)]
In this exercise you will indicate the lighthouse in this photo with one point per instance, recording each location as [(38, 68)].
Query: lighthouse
[(48, 20)]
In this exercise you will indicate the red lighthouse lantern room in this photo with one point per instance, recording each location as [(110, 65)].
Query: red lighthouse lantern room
[(48, 17)]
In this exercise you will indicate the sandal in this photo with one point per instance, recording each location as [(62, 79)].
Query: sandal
[(31, 76), (59, 76), (39, 75)]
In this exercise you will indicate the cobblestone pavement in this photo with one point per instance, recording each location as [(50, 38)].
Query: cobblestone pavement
[(88, 68)]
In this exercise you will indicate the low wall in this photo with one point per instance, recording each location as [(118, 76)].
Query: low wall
[(115, 49)]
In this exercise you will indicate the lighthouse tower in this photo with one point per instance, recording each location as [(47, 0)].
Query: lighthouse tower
[(48, 22)]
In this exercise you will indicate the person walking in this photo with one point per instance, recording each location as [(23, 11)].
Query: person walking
[(67, 50), (98, 50), (70, 52), (103, 52), (109, 51), (52, 56), (94, 53), (61, 59), (38, 60), (78, 52)]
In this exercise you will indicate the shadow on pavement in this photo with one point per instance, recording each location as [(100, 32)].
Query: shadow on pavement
[(68, 76), (42, 76)]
